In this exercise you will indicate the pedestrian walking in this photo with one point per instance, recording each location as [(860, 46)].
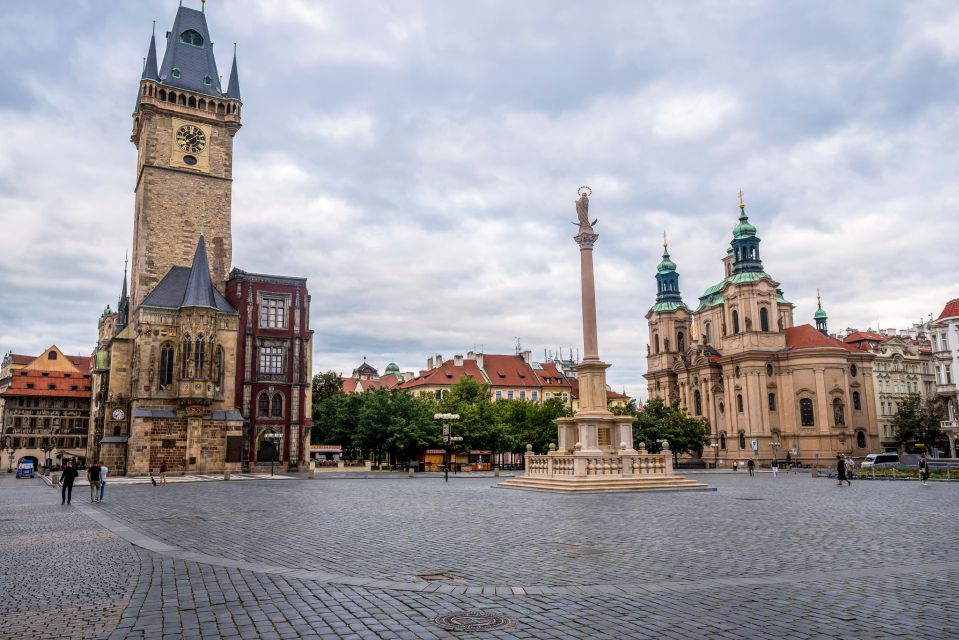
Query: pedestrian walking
[(67, 477), (104, 470), (163, 469), (850, 469), (751, 465), (93, 475), (924, 470), (840, 469), (775, 467), (789, 462)]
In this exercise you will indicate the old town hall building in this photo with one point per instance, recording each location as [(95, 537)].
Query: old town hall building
[(739, 361), (201, 367)]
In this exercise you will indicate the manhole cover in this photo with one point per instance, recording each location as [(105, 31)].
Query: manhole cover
[(432, 577), (471, 621)]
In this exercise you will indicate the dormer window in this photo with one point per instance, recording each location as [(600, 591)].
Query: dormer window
[(191, 36), (175, 72), (207, 80)]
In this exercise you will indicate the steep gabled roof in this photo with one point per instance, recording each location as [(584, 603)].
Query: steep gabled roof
[(509, 371), (446, 374), (233, 90), (191, 56), (550, 376), (189, 287)]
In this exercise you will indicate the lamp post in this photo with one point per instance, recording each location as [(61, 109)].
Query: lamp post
[(446, 419), (274, 439), (48, 446), (11, 451), (715, 446), (775, 446)]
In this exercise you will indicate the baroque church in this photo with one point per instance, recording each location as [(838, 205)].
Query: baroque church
[(765, 386), (201, 367)]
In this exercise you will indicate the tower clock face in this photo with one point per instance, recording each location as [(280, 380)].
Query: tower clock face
[(190, 138), (118, 414)]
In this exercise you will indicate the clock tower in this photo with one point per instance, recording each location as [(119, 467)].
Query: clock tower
[(183, 129)]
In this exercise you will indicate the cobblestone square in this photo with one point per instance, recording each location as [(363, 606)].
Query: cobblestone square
[(793, 557)]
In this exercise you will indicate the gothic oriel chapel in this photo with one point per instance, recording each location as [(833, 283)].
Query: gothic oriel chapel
[(168, 381), (741, 363)]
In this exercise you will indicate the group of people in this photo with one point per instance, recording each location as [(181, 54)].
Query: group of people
[(97, 475)]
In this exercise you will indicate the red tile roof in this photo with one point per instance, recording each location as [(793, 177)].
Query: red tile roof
[(951, 310), (805, 336), (550, 376), (21, 359), (349, 385), (445, 374), (509, 371)]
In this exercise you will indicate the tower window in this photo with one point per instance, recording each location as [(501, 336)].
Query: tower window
[(772, 401), (861, 439), (698, 402), (680, 342), (806, 413), (175, 73), (763, 319), (191, 36), (742, 439), (856, 401), (166, 366), (722, 441), (853, 370), (739, 402), (735, 321), (207, 80), (656, 341)]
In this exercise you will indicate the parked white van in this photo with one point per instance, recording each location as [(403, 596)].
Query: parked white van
[(880, 460)]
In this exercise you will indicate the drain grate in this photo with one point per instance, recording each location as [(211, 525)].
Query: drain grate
[(435, 577), (472, 621)]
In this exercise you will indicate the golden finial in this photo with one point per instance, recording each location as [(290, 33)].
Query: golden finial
[(742, 203), (665, 244), (203, 6), (818, 298)]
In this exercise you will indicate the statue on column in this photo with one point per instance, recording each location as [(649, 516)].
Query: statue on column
[(582, 210)]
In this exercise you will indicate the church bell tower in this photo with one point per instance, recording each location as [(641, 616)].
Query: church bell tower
[(183, 128)]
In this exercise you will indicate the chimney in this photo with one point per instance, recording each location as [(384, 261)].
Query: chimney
[(438, 359), (527, 356), (470, 355), (479, 360), (457, 360), (429, 363)]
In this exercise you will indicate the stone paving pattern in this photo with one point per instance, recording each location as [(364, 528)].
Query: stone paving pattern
[(789, 558)]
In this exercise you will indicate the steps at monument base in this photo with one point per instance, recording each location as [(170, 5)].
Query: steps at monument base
[(604, 484)]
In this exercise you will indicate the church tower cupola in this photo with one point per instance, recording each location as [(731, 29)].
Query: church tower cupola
[(745, 244), (188, 62), (667, 281), (820, 316)]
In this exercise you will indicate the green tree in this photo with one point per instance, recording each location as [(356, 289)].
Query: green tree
[(917, 422), (325, 385), (659, 421)]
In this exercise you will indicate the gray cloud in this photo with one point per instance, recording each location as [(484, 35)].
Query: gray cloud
[(418, 163)]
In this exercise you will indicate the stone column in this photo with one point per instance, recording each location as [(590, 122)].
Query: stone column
[(585, 241)]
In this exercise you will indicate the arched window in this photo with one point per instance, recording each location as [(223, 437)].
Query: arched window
[(656, 342), (772, 401), (763, 319), (722, 441), (805, 413), (861, 439), (735, 322), (742, 439), (51, 355), (856, 401), (698, 402), (837, 412), (187, 348), (263, 405), (166, 366), (722, 408), (276, 406), (852, 370), (191, 37), (769, 371), (708, 333), (739, 402), (680, 342), (199, 353)]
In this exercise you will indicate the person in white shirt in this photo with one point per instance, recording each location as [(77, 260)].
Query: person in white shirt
[(103, 479)]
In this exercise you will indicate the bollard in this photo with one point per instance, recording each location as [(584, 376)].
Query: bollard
[(55, 477), (226, 474), (496, 472), (409, 472)]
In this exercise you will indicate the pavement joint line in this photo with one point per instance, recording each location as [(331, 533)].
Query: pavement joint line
[(659, 586)]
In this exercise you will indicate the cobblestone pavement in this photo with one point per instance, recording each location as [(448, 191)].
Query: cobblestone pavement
[(791, 558)]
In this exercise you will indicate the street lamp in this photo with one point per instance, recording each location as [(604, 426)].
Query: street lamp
[(446, 419), (274, 439), (775, 446), (715, 446), (49, 445)]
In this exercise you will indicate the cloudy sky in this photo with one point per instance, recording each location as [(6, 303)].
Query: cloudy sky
[(418, 162)]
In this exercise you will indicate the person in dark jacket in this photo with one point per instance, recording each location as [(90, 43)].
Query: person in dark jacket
[(751, 465), (840, 469), (93, 475), (66, 481)]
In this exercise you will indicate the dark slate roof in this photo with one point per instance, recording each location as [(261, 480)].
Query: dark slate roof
[(194, 62), (150, 68), (189, 287), (199, 287), (233, 90)]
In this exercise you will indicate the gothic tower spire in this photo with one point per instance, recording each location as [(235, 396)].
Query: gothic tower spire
[(123, 304)]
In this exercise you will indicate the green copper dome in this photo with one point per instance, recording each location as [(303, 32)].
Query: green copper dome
[(819, 314), (392, 368), (743, 229), (666, 265)]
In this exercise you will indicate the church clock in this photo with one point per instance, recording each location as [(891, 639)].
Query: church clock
[(191, 145), (190, 138)]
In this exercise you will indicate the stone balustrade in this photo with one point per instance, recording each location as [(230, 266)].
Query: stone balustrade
[(623, 465)]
